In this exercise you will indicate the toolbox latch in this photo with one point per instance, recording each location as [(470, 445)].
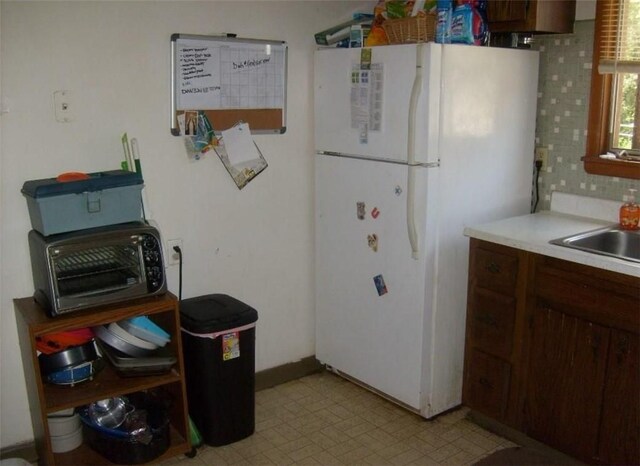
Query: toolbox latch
[(93, 202)]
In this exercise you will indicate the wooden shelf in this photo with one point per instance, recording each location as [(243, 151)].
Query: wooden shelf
[(85, 455), (40, 324), (104, 385), (45, 398)]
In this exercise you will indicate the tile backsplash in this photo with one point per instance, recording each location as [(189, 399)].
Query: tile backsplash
[(561, 123)]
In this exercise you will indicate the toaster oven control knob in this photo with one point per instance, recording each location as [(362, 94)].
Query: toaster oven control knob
[(154, 277), (149, 242), (151, 257)]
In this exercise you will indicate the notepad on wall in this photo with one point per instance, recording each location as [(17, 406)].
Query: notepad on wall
[(240, 154)]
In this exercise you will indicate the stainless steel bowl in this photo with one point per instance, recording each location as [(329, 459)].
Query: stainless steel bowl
[(110, 412)]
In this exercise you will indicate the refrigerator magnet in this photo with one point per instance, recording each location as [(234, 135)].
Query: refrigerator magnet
[(375, 212), (360, 209), (372, 241), (378, 280)]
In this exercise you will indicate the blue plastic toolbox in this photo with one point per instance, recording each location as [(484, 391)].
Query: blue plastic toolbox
[(104, 198)]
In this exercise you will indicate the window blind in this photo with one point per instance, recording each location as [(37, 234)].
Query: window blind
[(619, 41)]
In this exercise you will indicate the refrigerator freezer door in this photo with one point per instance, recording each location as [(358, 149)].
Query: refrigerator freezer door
[(372, 305), (370, 119)]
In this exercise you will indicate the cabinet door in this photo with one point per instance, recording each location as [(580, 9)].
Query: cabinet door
[(506, 10), (546, 16), (567, 365), (620, 434)]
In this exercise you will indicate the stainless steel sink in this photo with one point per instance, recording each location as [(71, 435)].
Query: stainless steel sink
[(611, 241)]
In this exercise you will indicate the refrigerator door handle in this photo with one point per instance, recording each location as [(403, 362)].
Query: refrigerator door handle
[(411, 155)]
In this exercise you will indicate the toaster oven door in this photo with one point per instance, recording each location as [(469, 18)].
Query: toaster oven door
[(92, 274)]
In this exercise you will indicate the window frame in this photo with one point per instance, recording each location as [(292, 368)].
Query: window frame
[(599, 117)]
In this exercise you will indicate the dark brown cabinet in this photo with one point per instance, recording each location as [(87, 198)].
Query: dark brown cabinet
[(46, 398), (540, 16), (620, 431), (554, 352), (584, 332), (567, 366), (496, 279)]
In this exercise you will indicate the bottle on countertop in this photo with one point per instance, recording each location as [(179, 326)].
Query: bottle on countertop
[(630, 213)]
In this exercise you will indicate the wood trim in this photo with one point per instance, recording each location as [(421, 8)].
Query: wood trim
[(620, 168), (599, 114)]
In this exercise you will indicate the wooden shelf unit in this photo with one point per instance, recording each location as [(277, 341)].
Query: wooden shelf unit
[(45, 398)]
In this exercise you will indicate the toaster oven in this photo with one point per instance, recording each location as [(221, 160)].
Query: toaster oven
[(86, 268)]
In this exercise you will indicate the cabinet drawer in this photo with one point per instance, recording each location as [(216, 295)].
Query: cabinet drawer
[(599, 296), (491, 321), (486, 385), (496, 271)]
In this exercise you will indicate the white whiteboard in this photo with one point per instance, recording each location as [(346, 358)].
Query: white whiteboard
[(229, 74)]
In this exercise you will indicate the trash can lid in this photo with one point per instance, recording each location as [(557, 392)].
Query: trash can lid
[(214, 313)]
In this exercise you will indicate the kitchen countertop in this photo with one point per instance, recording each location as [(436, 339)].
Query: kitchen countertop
[(534, 231)]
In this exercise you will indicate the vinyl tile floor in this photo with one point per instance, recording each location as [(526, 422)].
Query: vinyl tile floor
[(327, 420)]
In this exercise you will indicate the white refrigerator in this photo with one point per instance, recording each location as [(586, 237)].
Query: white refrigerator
[(413, 143)]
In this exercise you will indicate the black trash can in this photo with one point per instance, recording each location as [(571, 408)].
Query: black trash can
[(218, 339)]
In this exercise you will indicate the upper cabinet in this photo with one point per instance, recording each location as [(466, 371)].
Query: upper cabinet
[(540, 16)]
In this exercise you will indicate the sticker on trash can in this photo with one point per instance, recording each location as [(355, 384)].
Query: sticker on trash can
[(230, 346)]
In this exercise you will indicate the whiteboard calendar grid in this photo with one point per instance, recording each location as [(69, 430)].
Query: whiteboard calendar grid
[(250, 79)]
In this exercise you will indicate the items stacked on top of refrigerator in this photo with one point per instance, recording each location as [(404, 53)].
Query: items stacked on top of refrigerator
[(413, 143)]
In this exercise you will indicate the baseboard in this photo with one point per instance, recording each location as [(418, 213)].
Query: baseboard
[(521, 439), (264, 379), (26, 451), (287, 372)]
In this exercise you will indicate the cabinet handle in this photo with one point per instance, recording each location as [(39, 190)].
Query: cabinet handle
[(596, 343), (486, 318), (485, 383), (622, 348), (493, 267)]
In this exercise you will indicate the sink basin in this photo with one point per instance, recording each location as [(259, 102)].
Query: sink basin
[(611, 241)]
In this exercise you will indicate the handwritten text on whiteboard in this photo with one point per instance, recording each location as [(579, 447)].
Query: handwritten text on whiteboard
[(198, 77)]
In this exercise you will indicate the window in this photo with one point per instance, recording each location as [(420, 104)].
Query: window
[(614, 103)]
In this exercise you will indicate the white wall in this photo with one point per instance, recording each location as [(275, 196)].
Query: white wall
[(585, 9), (255, 244)]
